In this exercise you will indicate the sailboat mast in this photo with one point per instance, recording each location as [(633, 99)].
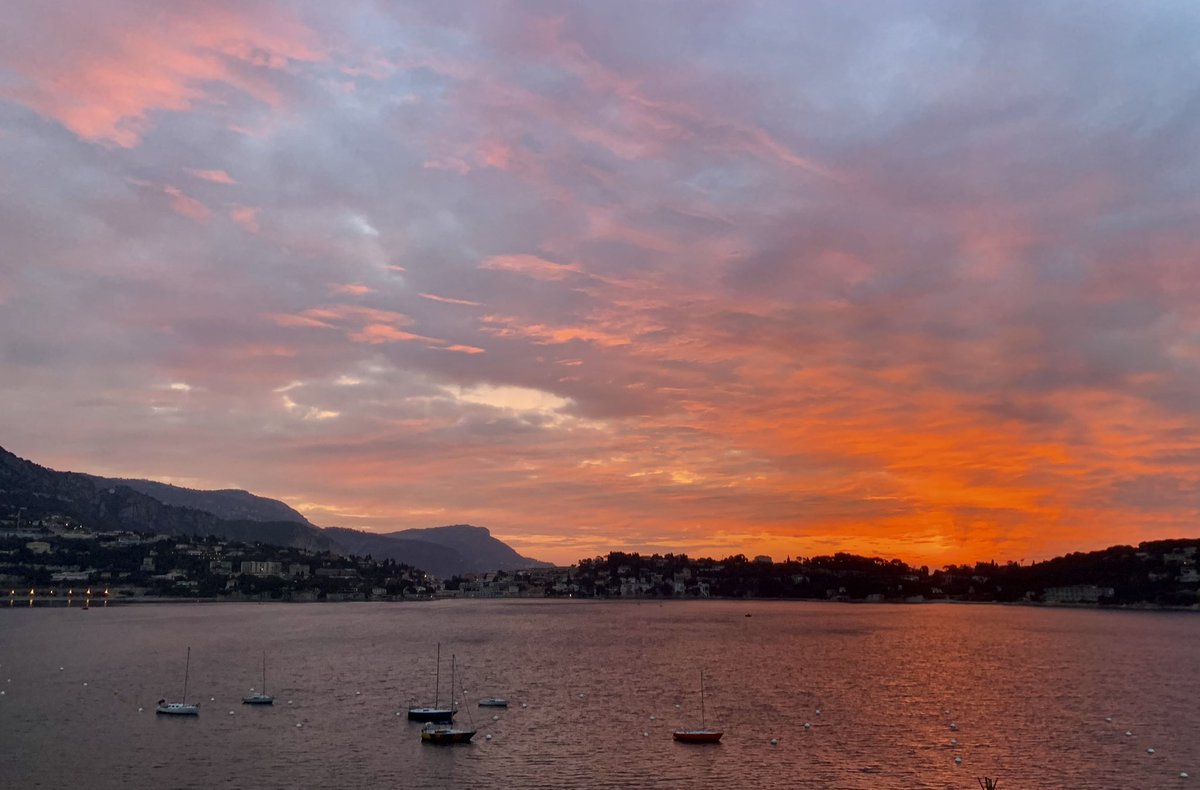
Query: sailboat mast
[(187, 664), (702, 699), (437, 675), (264, 683)]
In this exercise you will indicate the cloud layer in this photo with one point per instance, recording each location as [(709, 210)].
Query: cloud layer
[(710, 276)]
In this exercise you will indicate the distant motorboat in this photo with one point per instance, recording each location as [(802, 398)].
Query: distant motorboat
[(447, 733), (261, 698), (493, 702), (433, 713), (703, 734), (180, 708)]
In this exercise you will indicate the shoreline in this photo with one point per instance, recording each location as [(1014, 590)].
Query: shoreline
[(24, 603)]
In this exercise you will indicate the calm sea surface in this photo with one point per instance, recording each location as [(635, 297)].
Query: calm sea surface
[(595, 690)]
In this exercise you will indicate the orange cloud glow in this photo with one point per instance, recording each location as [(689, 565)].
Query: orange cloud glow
[(743, 277)]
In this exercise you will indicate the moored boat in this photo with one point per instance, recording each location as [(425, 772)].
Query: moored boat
[(698, 736), (703, 734), (448, 733), (493, 702), (433, 713), (261, 697), (177, 708), (445, 733), (180, 708)]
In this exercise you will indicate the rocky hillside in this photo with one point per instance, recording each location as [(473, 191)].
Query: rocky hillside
[(33, 492), (479, 550), (230, 504)]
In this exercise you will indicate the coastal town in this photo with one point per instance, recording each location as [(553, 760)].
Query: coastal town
[(58, 561)]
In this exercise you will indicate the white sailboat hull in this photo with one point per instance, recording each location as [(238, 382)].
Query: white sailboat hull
[(178, 709)]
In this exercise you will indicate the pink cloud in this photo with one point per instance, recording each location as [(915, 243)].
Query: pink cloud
[(531, 266), (351, 289), (384, 333), (215, 176), (448, 300), (283, 319), (246, 217), (494, 153), (188, 206), (550, 335), (106, 79)]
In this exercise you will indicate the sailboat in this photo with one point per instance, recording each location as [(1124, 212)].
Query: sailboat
[(702, 735), (261, 698), (434, 713), (180, 708), (448, 733)]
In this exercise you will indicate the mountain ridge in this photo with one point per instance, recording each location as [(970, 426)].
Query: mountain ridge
[(150, 506)]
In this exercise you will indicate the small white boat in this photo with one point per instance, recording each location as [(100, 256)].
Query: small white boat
[(177, 708), (493, 702), (261, 698), (180, 708)]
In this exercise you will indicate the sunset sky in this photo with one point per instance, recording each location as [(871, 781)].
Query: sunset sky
[(913, 279)]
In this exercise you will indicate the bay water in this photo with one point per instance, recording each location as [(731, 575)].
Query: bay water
[(809, 695)]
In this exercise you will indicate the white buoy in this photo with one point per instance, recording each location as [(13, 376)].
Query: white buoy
[(1128, 733), (581, 695), (652, 717), (774, 741), (494, 718), (487, 737), (139, 708), (645, 734), (289, 702), (954, 741), (957, 760), (523, 705), (1183, 774), (1108, 718), (85, 682), (60, 669), (953, 727), (212, 699), (1150, 751), (2, 693), (358, 693), (945, 711), (807, 725), (230, 713), (818, 711), (298, 725)]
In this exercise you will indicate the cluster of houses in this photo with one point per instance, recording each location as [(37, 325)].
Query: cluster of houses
[(55, 553), (43, 558)]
